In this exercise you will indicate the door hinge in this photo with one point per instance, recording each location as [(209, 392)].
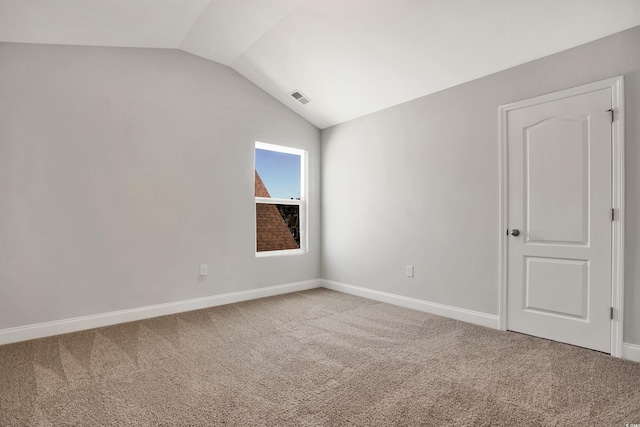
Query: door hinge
[(613, 214), (611, 314), (610, 110)]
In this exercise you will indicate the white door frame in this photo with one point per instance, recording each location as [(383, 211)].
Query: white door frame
[(616, 84)]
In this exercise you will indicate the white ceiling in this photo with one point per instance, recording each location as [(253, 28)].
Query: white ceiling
[(351, 57)]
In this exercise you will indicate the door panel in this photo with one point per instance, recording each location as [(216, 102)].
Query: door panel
[(559, 178), (566, 279), (557, 213)]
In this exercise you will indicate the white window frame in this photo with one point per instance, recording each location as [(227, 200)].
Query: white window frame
[(302, 203)]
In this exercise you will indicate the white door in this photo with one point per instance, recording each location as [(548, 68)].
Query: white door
[(559, 215)]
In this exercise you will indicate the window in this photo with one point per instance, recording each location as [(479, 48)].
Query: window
[(280, 192)]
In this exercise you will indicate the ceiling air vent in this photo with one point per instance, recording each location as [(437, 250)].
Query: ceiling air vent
[(300, 97)]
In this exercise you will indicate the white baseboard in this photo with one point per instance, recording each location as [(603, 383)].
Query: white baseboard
[(631, 352), (470, 316), (40, 330)]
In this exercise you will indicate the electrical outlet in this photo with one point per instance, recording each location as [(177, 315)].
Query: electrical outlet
[(204, 271), (409, 270)]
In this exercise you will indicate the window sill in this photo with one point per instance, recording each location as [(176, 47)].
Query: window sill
[(280, 253)]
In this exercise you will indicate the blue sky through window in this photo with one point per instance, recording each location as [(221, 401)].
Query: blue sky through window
[(280, 173)]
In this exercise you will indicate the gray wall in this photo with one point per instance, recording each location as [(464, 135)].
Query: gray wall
[(122, 170), (418, 183)]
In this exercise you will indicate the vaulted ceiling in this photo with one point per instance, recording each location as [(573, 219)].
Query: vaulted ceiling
[(350, 57)]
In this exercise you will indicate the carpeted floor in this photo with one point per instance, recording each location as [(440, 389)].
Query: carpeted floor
[(314, 358)]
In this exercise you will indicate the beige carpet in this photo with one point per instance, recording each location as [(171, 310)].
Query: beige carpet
[(315, 358)]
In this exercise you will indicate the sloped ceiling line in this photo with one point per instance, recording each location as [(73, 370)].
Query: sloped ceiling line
[(350, 57)]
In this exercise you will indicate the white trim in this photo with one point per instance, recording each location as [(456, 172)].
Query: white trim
[(46, 329), (630, 352), (469, 316), (503, 217), (303, 216), (280, 253), (279, 148), (618, 203), (271, 201), (616, 84)]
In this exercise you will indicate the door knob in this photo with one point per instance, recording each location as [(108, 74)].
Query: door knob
[(515, 232)]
